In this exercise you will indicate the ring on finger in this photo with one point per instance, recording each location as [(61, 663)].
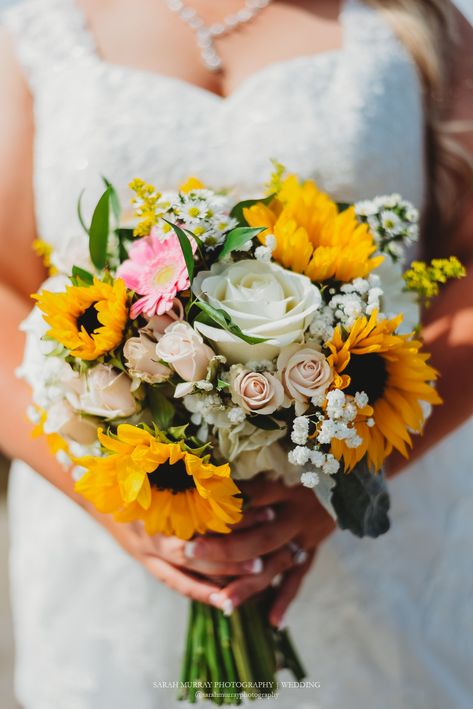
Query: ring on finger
[(299, 555)]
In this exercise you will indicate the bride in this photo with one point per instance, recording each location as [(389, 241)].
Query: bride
[(356, 94)]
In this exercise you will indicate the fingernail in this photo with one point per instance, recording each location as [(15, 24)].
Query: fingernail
[(227, 606), (215, 599), (255, 566), (189, 550), (270, 514), (300, 557), (280, 624), (276, 581)]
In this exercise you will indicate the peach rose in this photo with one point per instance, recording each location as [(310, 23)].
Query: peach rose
[(157, 324), (185, 351), (106, 392), (305, 373), (142, 360), (257, 392)]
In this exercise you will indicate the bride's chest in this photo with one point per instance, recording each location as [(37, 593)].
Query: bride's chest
[(352, 124)]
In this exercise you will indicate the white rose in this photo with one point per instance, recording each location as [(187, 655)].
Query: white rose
[(142, 360), (104, 392), (304, 372), (184, 349), (264, 300), (62, 419)]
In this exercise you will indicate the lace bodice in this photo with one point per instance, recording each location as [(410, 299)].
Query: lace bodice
[(350, 118)]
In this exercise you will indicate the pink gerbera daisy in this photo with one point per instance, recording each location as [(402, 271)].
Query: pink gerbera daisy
[(156, 270)]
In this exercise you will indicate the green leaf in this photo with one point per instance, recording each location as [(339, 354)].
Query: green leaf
[(223, 319), (222, 385), (161, 408), (79, 213), (114, 199), (79, 274), (237, 211), (361, 500), (267, 423), (237, 237), (186, 248), (99, 229)]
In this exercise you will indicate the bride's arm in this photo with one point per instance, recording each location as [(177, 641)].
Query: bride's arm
[(21, 273), (448, 323)]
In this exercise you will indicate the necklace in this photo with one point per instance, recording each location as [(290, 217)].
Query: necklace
[(206, 34)]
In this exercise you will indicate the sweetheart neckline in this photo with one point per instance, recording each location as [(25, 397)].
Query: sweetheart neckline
[(103, 63)]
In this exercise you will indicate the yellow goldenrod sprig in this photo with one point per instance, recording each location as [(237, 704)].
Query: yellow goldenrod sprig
[(146, 206), (425, 279), (273, 186), (44, 251)]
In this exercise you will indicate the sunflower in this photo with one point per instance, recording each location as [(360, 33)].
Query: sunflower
[(170, 489), (88, 320), (394, 373), (312, 236)]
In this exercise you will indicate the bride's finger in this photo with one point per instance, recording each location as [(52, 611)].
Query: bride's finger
[(240, 590), (263, 492), (258, 515), (177, 580), (213, 568), (288, 590)]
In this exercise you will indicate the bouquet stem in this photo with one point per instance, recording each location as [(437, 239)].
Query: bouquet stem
[(229, 658)]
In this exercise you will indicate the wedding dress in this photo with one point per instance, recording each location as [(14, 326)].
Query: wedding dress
[(378, 623)]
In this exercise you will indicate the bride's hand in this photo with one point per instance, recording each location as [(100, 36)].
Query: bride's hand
[(286, 545), (166, 558)]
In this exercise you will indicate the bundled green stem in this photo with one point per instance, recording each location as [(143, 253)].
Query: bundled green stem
[(228, 658)]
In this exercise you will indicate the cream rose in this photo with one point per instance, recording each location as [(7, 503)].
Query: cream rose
[(185, 351), (256, 392), (304, 372), (104, 392), (142, 360), (62, 419), (264, 300)]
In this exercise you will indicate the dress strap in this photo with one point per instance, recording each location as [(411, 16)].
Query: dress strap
[(48, 35)]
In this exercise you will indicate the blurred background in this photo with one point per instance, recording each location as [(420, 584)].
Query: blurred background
[(6, 643)]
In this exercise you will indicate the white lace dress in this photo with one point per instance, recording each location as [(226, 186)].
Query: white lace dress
[(379, 623)]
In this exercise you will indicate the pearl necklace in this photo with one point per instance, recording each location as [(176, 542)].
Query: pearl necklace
[(206, 34)]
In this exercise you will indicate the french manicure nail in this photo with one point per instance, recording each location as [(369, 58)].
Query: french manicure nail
[(300, 557), (215, 599), (280, 624), (270, 514), (227, 606), (276, 581), (189, 550), (255, 566)]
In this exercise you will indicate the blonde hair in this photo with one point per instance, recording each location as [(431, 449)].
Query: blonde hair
[(428, 30)]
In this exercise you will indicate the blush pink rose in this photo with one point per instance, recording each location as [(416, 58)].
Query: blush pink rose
[(185, 351), (257, 392), (305, 373)]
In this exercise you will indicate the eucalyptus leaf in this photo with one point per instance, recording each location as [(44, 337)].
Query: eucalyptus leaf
[(99, 230), (361, 500), (237, 211), (223, 319), (186, 248), (161, 408), (236, 238)]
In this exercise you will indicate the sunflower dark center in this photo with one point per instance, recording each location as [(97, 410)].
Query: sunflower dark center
[(368, 373), (89, 319), (171, 477)]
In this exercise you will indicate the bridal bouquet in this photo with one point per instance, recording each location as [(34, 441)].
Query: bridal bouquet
[(196, 342)]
